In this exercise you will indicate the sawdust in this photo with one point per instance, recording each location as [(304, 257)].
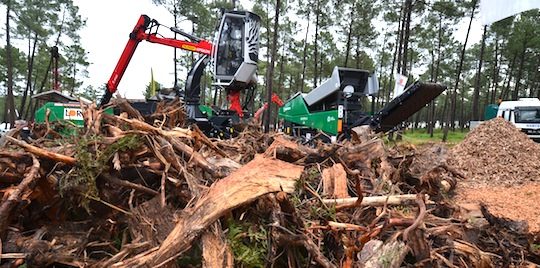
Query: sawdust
[(502, 169), (518, 203), (497, 153)]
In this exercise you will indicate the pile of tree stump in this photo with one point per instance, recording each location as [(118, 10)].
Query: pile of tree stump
[(134, 191)]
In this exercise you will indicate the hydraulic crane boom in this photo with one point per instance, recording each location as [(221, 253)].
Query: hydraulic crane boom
[(234, 58), (146, 29)]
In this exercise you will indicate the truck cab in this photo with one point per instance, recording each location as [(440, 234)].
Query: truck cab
[(524, 114)]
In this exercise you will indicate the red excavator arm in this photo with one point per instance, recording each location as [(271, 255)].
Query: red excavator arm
[(275, 99), (146, 29)]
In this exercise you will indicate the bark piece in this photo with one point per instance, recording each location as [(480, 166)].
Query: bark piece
[(225, 166), (361, 134), (287, 150), (389, 255), (151, 222), (335, 182), (216, 252), (362, 153), (256, 178)]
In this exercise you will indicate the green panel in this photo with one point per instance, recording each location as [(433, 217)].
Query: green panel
[(57, 112), (207, 110), (490, 111), (63, 111), (295, 106), (296, 111), (326, 121)]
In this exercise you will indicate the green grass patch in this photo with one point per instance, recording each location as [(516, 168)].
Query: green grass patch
[(421, 136)]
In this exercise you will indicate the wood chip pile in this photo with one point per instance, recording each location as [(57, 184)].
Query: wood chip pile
[(134, 191), (497, 153)]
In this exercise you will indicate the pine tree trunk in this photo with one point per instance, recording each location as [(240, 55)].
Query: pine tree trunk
[(401, 34), (508, 79), (270, 70), (520, 71), (436, 77), (32, 107), (458, 75), (349, 37), (535, 81), (462, 109), (495, 70), (10, 99), (406, 35), (304, 56), (316, 46), (31, 57), (429, 114), (476, 93)]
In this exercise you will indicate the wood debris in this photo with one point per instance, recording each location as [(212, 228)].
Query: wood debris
[(134, 191)]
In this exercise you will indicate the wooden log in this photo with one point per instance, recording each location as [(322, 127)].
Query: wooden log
[(375, 200), (14, 197), (335, 182), (256, 178), (44, 153)]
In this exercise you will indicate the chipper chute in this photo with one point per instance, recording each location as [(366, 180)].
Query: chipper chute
[(402, 107), (335, 107)]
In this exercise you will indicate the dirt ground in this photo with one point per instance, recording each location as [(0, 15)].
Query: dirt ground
[(519, 203)]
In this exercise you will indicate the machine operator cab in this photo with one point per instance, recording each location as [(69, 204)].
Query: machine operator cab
[(236, 52), (234, 60)]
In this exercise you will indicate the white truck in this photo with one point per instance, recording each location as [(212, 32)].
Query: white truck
[(524, 114)]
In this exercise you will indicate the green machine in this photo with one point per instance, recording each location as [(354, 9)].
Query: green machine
[(332, 106), (70, 111), (335, 107), (62, 107)]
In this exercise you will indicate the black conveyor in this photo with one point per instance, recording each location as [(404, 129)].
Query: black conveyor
[(403, 106)]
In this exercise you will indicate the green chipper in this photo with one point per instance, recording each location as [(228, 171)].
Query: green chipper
[(335, 107)]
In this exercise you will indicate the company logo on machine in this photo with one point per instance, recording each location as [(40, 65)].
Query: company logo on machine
[(330, 119), (73, 114), (532, 125), (287, 108)]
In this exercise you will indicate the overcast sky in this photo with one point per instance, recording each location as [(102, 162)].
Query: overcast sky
[(106, 34), (107, 31)]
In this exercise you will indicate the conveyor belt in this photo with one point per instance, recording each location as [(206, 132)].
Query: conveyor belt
[(402, 107)]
